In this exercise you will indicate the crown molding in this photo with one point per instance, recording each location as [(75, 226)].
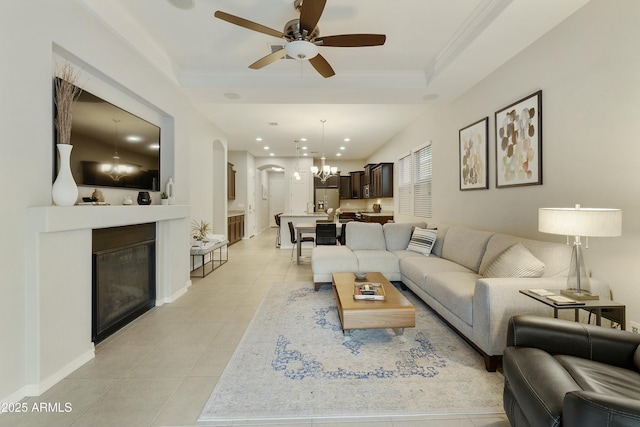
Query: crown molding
[(482, 16)]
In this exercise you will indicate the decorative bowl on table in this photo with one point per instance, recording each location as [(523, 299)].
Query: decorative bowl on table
[(360, 275)]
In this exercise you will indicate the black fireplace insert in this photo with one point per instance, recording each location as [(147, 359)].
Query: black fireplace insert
[(124, 282)]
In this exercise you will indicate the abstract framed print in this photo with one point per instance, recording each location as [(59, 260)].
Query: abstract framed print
[(519, 143), (474, 154)]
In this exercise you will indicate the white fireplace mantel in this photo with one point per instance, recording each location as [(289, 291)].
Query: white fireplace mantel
[(51, 219), (59, 279)]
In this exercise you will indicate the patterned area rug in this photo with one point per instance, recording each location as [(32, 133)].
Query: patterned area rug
[(295, 362)]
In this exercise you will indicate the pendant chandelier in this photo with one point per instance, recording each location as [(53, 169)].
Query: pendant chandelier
[(114, 169), (325, 171), (296, 173)]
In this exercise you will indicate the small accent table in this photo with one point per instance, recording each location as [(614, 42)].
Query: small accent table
[(602, 307), (209, 249)]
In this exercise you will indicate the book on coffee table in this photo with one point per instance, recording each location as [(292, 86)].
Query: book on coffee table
[(369, 291)]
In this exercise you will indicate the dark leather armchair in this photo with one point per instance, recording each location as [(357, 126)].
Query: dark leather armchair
[(571, 374)]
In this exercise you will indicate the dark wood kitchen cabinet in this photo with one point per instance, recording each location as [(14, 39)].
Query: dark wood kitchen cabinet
[(235, 228), (381, 180), (345, 187), (356, 184), (231, 182)]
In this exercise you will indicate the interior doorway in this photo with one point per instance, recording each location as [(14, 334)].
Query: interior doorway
[(276, 196)]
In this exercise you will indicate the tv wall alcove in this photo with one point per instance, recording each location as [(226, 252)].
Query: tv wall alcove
[(59, 279)]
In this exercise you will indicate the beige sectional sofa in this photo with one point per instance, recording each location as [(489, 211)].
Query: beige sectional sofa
[(453, 280)]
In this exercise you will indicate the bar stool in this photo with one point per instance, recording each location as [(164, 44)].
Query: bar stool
[(277, 218)]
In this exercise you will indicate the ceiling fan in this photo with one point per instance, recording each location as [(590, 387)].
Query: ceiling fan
[(303, 37)]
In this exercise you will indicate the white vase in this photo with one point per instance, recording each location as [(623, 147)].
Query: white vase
[(169, 191), (65, 190)]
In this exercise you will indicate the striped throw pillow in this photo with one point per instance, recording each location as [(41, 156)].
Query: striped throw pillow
[(422, 240), (516, 261)]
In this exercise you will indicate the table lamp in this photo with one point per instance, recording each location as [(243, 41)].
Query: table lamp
[(580, 222)]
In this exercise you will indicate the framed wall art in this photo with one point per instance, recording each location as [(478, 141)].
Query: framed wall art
[(519, 143), (474, 155)]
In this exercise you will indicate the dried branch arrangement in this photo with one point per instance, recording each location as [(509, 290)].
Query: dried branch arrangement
[(66, 95)]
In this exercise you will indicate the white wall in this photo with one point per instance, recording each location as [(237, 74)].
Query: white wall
[(30, 32), (588, 69)]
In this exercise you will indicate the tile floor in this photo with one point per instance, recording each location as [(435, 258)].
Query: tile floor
[(160, 369)]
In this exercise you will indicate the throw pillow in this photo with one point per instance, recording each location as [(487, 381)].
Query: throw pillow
[(422, 240), (516, 261)]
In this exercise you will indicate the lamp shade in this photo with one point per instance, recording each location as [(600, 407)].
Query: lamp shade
[(588, 222)]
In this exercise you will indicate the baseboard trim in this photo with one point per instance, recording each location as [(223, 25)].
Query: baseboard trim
[(175, 295), (38, 389)]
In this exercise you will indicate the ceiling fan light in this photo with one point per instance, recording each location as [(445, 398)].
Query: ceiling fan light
[(301, 50)]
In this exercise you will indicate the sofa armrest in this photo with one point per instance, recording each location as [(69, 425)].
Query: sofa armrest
[(496, 300), (557, 336), (589, 409)]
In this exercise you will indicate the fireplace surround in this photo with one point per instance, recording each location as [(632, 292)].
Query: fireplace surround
[(58, 280)]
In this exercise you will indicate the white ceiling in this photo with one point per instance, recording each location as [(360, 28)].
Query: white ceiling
[(435, 51)]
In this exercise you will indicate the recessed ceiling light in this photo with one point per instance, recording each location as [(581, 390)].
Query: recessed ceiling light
[(305, 154), (154, 146), (273, 123), (347, 139), (343, 148), (266, 147), (258, 139), (271, 154), (303, 139), (133, 138), (305, 147), (230, 95), (338, 154)]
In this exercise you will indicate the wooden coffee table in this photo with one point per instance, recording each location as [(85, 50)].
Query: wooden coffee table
[(395, 312)]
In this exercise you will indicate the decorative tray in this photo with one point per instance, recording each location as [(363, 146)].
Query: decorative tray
[(369, 291)]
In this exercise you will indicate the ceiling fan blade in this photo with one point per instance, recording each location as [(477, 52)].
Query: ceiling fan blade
[(322, 66), (247, 24), (310, 13), (352, 40), (271, 58)]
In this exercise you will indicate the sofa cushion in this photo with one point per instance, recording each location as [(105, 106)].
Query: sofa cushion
[(377, 260), (555, 256), (516, 261), (422, 240), (365, 235), (454, 290), (398, 234), (465, 246), (403, 253), (417, 268), (437, 246), (333, 259)]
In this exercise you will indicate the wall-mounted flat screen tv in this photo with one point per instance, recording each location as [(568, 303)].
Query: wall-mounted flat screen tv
[(112, 147)]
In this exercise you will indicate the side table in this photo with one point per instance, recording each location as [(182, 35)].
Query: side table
[(602, 307), (209, 249)]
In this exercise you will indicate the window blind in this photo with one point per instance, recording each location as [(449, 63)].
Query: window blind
[(422, 161)]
